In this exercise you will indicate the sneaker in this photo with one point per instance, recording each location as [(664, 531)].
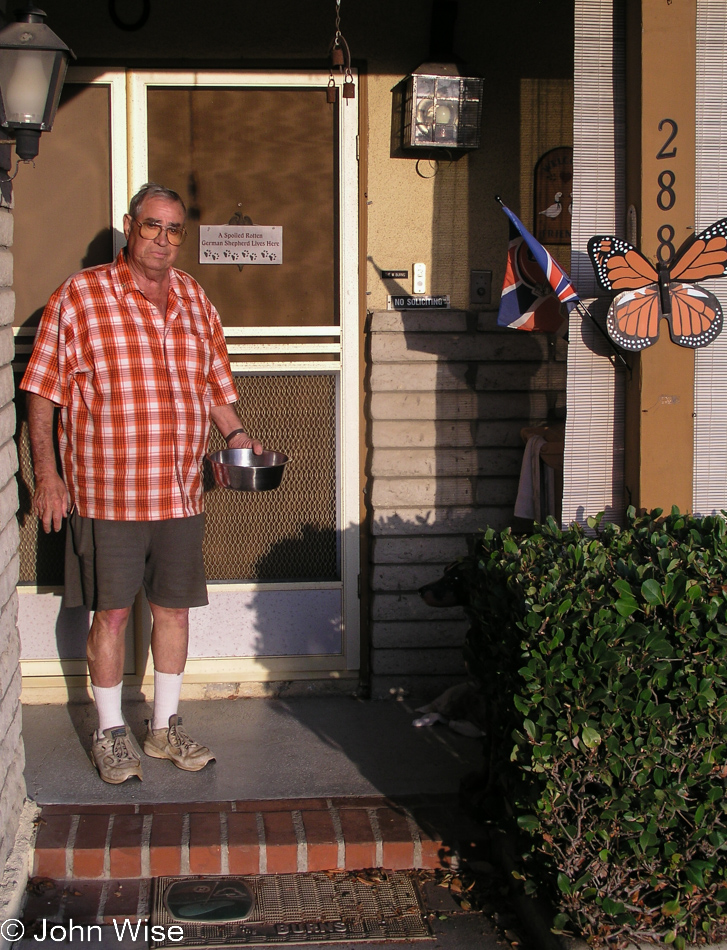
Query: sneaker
[(115, 756), (174, 743)]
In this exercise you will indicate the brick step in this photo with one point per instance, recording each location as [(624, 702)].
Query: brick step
[(120, 842), (85, 903)]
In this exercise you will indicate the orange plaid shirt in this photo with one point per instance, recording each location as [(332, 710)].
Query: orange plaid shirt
[(135, 391)]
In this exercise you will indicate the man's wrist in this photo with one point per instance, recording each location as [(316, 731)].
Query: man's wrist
[(47, 475), (232, 434)]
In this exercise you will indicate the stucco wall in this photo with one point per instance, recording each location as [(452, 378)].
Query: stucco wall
[(444, 214), (437, 211)]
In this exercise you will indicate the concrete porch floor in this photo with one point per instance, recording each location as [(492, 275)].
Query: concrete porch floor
[(267, 749), (300, 784), (287, 771)]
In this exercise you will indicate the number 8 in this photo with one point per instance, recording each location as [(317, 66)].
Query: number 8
[(666, 236), (666, 204)]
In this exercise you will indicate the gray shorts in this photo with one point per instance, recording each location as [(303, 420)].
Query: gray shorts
[(107, 562)]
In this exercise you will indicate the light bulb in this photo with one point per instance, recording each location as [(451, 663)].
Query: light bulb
[(443, 114), (27, 88)]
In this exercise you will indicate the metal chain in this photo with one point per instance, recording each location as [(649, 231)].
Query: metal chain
[(338, 36), (343, 60)]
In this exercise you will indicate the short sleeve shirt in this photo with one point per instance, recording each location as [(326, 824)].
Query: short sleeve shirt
[(135, 388)]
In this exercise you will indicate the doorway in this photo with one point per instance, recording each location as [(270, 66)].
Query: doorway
[(255, 149)]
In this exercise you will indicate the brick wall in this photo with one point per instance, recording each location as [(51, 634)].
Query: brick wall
[(12, 757), (447, 395)]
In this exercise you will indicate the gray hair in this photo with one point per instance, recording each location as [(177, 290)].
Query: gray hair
[(152, 190)]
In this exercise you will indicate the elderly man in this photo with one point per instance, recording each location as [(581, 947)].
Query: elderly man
[(134, 355)]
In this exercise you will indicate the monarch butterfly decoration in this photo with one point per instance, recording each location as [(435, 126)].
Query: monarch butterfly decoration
[(668, 290)]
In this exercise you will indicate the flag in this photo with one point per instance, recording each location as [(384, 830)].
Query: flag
[(535, 285)]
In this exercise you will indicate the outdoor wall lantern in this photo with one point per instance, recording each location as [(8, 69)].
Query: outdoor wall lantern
[(441, 108), (33, 63)]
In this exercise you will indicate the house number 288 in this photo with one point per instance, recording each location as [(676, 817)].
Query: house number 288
[(666, 195)]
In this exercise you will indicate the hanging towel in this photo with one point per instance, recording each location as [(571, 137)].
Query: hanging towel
[(548, 495), (528, 503)]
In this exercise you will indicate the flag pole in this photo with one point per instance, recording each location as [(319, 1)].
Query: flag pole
[(585, 311)]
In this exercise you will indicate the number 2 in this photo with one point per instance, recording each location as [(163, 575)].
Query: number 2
[(662, 153)]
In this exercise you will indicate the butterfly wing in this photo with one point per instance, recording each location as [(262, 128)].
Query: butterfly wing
[(618, 265), (695, 320), (633, 318), (703, 256), (696, 315)]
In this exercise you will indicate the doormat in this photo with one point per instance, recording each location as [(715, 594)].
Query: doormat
[(273, 909)]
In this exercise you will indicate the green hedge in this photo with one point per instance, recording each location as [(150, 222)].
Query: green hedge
[(603, 661)]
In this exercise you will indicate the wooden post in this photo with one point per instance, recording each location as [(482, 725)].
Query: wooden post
[(661, 78)]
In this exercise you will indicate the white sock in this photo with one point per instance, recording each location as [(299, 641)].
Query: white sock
[(167, 687), (108, 706)]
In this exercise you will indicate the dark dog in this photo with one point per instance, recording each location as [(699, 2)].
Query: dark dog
[(449, 591)]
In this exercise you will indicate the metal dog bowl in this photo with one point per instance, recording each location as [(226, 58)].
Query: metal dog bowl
[(242, 470)]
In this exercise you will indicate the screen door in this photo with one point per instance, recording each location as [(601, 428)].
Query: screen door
[(261, 150)]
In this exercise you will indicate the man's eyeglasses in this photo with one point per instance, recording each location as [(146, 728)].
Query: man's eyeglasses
[(150, 232)]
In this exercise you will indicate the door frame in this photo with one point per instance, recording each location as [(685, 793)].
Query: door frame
[(129, 157)]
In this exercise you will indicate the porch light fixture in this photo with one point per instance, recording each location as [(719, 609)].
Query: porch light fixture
[(33, 63), (442, 109)]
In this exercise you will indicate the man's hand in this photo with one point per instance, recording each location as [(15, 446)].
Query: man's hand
[(51, 501), (243, 441)]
